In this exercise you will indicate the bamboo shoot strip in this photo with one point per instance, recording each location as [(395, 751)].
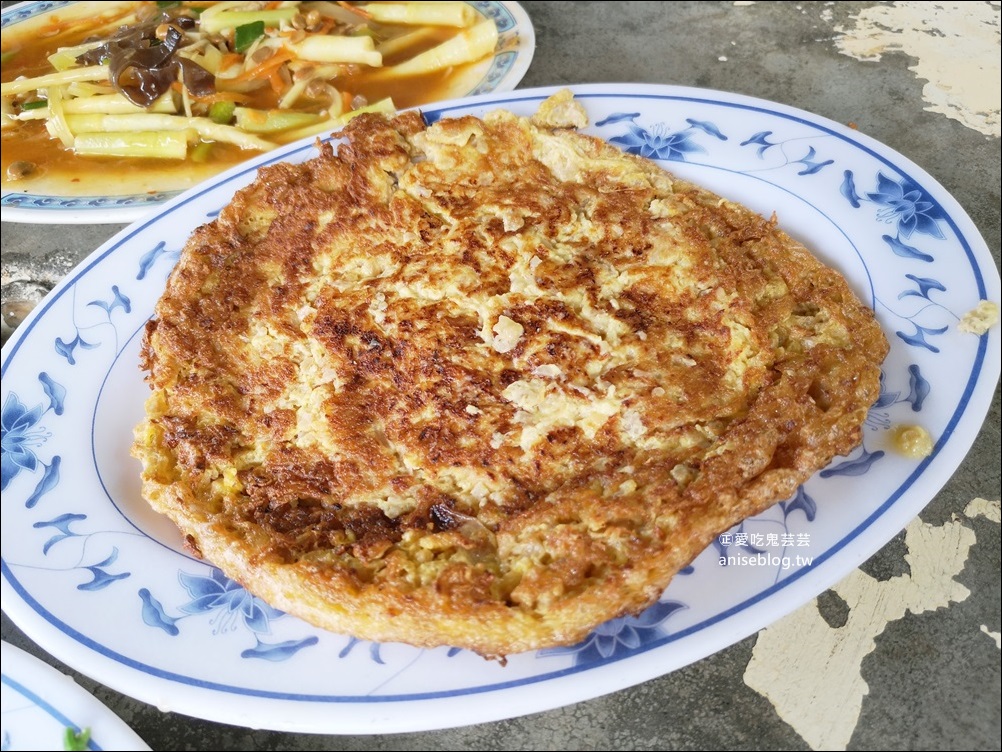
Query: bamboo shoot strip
[(272, 121), (152, 122), (455, 14), (383, 105), (327, 49), (216, 22), (115, 104), (150, 144), (399, 45), (24, 85), (465, 47), (56, 125)]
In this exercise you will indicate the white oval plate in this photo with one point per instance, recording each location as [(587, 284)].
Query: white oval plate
[(38, 704), (103, 583), (515, 48)]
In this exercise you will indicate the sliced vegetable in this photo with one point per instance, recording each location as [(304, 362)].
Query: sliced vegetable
[(208, 130), (24, 85), (272, 121), (467, 46), (56, 125), (115, 104), (149, 144), (209, 57), (140, 121), (215, 22), (7, 114), (36, 105), (66, 57), (399, 45), (422, 13), (185, 100), (229, 134), (385, 106), (334, 123), (21, 115), (329, 49), (89, 89)]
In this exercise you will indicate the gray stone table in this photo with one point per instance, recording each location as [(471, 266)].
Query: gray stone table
[(919, 678)]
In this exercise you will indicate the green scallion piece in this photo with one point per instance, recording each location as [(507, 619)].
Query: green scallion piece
[(74, 740), (244, 36), (36, 105)]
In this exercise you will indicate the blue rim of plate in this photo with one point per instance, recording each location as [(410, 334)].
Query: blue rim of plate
[(982, 371), (514, 27)]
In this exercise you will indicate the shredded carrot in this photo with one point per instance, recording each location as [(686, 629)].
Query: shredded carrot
[(354, 9), (53, 26), (265, 69), (277, 84), (56, 25), (230, 59), (223, 96)]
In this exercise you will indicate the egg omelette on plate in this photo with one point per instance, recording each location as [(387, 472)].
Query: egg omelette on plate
[(488, 383)]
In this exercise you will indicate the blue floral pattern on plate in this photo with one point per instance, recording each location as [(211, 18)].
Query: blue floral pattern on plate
[(810, 164), (86, 552), (660, 141), (21, 433), (620, 637), (231, 607)]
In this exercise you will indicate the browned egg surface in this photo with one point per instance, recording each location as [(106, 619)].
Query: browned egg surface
[(488, 383)]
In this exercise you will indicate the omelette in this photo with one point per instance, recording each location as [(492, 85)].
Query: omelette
[(488, 383)]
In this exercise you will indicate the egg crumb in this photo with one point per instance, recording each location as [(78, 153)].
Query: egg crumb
[(979, 320), (911, 441)]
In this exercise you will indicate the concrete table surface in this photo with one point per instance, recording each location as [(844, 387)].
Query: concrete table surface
[(928, 680)]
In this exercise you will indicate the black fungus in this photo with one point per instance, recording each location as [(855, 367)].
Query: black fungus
[(143, 67)]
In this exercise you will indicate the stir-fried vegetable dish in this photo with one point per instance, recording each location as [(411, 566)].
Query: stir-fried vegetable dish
[(216, 82)]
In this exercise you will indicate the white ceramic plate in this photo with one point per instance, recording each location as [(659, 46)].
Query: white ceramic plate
[(38, 704), (515, 48), (102, 583)]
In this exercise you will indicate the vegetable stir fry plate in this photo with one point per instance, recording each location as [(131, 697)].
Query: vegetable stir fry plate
[(111, 108)]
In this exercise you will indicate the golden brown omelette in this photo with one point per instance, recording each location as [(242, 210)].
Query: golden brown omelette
[(488, 383)]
